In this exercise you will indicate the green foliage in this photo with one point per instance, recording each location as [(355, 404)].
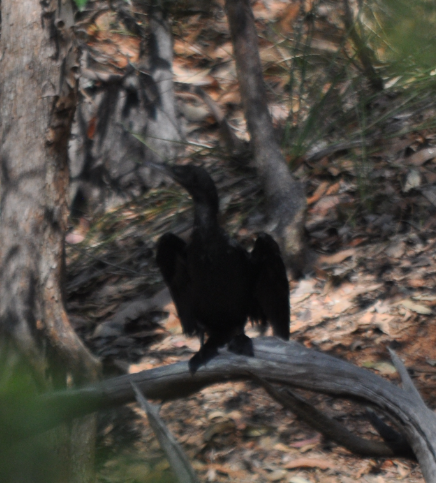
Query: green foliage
[(80, 3), (405, 32), (329, 91), (22, 456)]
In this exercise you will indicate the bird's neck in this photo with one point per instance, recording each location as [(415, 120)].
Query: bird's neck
[(205, 217)]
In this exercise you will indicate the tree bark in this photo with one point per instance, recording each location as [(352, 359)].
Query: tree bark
[(285, 196), (37, 102)]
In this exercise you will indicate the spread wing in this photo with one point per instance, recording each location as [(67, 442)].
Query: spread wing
[(171, 259), (271, 287)]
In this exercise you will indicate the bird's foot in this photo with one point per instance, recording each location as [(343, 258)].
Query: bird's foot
[(201, 358), (242, 345)]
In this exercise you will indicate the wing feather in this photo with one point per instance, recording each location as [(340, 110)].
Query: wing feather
[(271, 287), (171, 259)]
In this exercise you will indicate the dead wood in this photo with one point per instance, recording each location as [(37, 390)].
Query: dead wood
[(394, 446), (285, 195), (177, 458), (276, 361)]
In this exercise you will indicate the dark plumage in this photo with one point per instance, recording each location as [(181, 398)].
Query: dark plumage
[(215, 283)]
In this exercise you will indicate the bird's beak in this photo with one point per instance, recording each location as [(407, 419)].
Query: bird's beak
[(166, 169), (162, 167)]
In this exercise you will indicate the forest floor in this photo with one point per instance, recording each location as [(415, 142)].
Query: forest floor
[(369, 285)]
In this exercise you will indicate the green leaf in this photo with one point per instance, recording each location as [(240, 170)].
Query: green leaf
[(80, 3), (382, 367)]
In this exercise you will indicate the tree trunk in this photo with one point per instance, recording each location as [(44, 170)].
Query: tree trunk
[(285, 195), (38, 98)]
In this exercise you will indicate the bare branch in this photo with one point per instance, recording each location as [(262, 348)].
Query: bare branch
[(276, 361), (179, 462), (329, 427)]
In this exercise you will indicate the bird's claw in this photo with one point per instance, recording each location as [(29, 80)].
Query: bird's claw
[(241, 345), (201, 358)]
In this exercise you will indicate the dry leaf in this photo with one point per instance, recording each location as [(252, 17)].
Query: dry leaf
[(285, 449), (288, 17), (334, 171), (256, 431), (383, 367), (172, 323), (170, 308), (321, 463), (194, 113), (430, 177), (425, 297), (297, 325), (357, 241), (403, 470), (231, 97), (326, 204), (419, 158), (305, 442), (382, 322), (340, 306), (366, 319), (414, 307), (325, 45), (74, 238), (413, 180), (91, 127), (193, 76), (320, 191), (277, 475), (366, 468), (267, 443), (382, 307), (79, 233), (334, 188), (225, 470), (299, 479), (216, 414), (336, 258), (223, 52), (396, 249), (430, 194), (218, 428), (418, 282)]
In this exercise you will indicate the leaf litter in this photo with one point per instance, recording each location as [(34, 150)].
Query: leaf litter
[(371, 229)]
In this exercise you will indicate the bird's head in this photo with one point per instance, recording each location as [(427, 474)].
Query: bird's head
[(197, 182)]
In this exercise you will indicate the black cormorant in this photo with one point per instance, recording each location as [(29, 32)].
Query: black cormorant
[(214, 282)]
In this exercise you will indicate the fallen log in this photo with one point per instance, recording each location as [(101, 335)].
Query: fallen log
[(276, 361)]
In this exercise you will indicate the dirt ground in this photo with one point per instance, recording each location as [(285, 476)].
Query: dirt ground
[(369, 283), (375, 292)]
